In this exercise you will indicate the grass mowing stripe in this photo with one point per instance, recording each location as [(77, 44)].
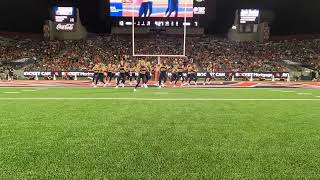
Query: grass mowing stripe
[(155, 99), (185, 134)]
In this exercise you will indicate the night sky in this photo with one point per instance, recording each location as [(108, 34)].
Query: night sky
[(290, 16)]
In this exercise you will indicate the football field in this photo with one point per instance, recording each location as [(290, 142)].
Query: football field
[(104, 133)]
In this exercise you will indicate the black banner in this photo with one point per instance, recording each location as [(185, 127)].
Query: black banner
[(265, 75)]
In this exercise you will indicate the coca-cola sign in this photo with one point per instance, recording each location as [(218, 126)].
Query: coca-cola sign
[(65, 27)]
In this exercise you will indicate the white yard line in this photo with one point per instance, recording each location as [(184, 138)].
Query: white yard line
[(157, 99), (304, 93), (30, 90), (288, 91)]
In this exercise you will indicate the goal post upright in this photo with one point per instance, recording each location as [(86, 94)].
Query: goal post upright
[(185, 28), (133, 30)]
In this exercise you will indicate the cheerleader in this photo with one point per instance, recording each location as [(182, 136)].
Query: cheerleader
[(209, 69), (142, 67), (132, 72), (181, 69), (149, 70), (95, 69), (100, 67), (122, 74), (173, 71), (193, 75), (189, 72), (113, 71), (163, 73)]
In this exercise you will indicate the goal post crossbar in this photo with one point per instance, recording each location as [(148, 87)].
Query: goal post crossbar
[(154, 55)]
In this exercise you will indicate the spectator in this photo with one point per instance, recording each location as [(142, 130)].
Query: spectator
[(225, 55)]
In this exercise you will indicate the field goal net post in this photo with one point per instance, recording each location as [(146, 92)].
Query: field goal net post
[(183, 55)]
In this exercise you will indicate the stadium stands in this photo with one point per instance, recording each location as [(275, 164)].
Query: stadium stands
[(226, 55)]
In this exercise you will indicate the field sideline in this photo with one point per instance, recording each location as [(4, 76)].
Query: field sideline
[(106, 133)]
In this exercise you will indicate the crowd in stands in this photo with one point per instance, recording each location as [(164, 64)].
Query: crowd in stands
[(224, 54)]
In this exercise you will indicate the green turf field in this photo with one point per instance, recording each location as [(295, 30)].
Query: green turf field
[(85, 133)]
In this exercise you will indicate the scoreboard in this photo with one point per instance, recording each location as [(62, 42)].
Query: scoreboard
[(64, 14), (65, 18), (157, 13), (249, 20), (249, 16), (158, 23)]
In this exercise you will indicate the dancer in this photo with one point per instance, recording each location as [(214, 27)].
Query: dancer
[(163, 74), (210, 69), (100, 68), (173, 70), (142, 75), (133, 71), (122, 74), (181, 69), (149, 70), (193, 75)]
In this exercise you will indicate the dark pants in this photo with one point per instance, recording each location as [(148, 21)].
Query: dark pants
[(163, 77), (150, 4), (208, 76), (148, 76), (193, 77), (122, 78), (94, 77), (144, 79), (179, 76), (145, 6), (173, 6), (188, 76), (133, 76), (143, 9), (173, 77), (100, 78), (127, 75), (110, 76)]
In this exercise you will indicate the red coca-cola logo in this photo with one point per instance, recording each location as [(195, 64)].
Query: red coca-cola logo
[(65, 27)]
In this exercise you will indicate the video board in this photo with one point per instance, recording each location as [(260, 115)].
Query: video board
[(64, 14), (249, 16), (65, 18), (157, 13), (151, 8)]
